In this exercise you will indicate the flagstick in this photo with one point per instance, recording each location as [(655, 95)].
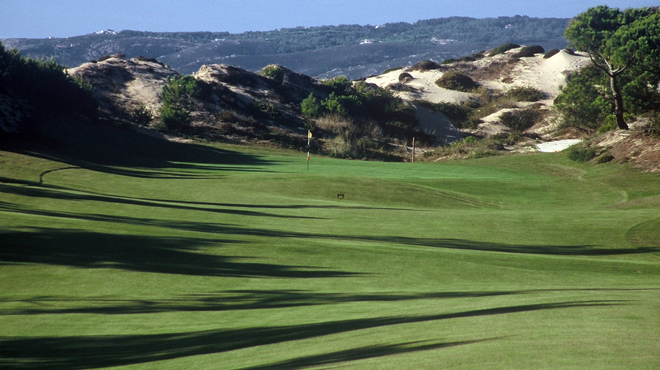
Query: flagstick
[(413, 151), (309, 137)]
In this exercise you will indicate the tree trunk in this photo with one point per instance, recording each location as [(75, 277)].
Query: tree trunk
[(613, 74), (618, 101)]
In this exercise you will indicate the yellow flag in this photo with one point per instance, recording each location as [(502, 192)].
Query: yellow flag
[(309, 134)]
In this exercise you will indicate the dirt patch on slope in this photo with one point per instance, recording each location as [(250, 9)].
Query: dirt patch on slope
[(122, 85), (640, 149)]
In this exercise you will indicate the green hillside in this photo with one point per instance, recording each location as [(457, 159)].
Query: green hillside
[(123, 251), (327, 51)]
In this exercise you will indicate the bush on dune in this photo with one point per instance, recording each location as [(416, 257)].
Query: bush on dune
[(454, 80)]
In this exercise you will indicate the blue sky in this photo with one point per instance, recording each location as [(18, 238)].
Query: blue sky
[(54, 18)]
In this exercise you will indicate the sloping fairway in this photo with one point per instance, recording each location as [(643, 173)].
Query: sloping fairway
[(135, 253)]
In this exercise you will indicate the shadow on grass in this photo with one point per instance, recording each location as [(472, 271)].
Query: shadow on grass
[(40, 192), (362, 353), (235, 300), (120, 150), (81, 352), (559, 250), (221, 301), (170, 255)]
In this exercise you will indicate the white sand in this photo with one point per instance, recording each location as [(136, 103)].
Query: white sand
[(424, 85), (556, 146), (546, 75)]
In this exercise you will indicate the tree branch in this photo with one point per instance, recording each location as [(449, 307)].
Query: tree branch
[(600, 66)]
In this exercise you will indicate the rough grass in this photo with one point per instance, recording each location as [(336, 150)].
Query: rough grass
[(526, 94), (140, 253), (521, 120)]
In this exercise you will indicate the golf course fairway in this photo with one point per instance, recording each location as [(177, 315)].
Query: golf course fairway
[(161, 255)]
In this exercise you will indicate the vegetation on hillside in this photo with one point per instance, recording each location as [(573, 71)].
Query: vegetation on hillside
[(363, 118), (309, 50), (454, 80), (624, 78), (178, 99), (45, 85)]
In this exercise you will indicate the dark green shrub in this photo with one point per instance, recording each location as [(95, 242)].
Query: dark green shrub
[(405, 77), (175, 118), (654, 124), (45, 84), (274, 72), (454, 80), (178, 94), (521, 120), (529, 51), (425, 65), (267, 110), (340, 85), (391, 70), (503, 48), (551, 53), (580, 102), (459, 114), (142, 116), (605, 158), (580, 153), (310, 107), (528, 94), (608, 125)]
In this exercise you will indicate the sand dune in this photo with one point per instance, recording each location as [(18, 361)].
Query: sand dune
[(497, 74)]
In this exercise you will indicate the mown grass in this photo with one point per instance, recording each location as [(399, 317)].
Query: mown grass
[(150, 254)]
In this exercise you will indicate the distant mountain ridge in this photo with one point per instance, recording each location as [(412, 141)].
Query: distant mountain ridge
[(353, 50)]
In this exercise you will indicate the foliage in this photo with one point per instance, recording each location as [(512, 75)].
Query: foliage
[(605, 158), (469, 147), (529, 51), (392, 69), (175, 118), (610, 36), (526, 94), (425, 65), (142, 115), (460, 114), (366, 102), (454, 80), (641, 38), (178, 98), (468, 58), (622, 83), (274, 72), (45, 84), (551, 53), (340, 85), (503, 48), (582, 102), (654, 124), (310, 107), (521, 120), (405, 77), (581, 153)]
